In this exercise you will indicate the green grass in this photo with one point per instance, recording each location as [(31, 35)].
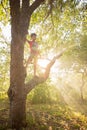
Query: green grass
[(46, 117), (56, 116)]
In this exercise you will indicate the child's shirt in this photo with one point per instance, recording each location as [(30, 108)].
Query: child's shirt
[(33, 46)]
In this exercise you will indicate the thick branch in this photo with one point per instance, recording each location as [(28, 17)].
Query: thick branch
[(15, 14), (49, 66), (33, 82), (35, 5), (24, 18), (37, 80)]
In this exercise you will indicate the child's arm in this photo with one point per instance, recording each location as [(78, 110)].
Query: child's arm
[(27, 40)]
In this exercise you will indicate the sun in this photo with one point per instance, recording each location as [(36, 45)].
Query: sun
[(43, 63)]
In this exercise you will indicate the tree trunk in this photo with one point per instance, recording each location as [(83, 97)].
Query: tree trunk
[(18, 112), (16, 91), (20, 19)]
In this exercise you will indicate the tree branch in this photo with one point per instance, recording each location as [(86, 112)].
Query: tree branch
[(37, 80), (15, 15), (35, 5), (50, 4)]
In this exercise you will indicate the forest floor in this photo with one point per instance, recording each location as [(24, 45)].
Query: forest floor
[(46, 117)]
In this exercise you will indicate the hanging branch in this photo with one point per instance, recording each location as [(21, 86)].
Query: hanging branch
[(50, 9), (35, 5)]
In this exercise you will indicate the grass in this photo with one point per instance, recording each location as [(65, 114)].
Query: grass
[(55, 116), (46, 117)]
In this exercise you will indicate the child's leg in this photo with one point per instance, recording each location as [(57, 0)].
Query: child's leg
[(35, 65), (28, 61)]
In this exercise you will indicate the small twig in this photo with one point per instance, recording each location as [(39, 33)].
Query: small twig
[(50, 10)]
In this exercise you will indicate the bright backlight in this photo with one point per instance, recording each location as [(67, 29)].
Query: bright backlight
[(43, 62)]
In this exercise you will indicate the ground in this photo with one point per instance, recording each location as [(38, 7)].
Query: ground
[(46, 117)]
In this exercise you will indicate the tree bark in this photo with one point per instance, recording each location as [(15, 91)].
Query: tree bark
[(16, 91), (18, 111)]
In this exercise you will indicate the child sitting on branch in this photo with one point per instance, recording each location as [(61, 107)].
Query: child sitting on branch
[(34, 52)]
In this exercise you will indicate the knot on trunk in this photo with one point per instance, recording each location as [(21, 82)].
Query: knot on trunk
[(11, 92)]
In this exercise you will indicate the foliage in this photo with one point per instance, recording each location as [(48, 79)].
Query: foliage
[(4, 64), (4, 11), (44, 94)]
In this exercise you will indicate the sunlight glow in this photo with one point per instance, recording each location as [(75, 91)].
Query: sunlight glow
[(54, 70), (6, 31), (43, 63)]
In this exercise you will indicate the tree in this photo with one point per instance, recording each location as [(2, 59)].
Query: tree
[(21, 12)]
